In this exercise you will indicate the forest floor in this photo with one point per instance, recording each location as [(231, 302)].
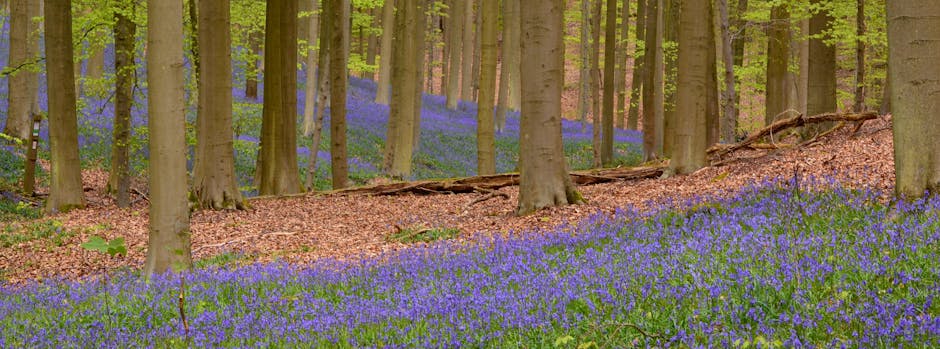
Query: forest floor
[(315, 226)]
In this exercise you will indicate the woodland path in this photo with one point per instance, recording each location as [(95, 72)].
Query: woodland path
[(314, 226)]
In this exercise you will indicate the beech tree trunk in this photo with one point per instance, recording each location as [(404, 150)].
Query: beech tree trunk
[(515, 57), (584, 91), (610, 53), (251, 74), (860, 57), (506, 69), (406, 102), (778, 63), (383, 94), (913, 29), (23, 83), (543, 173), (338, 10), (596, 13), (477, 42), (312, 124), (486, 138), (456, 52), (323, 91), (620, 73), (670, 37), (214, 185), (653, 113), (639, 73), (65, 189), (729, 119), (690, 146), (168, 246), (125, 78), (821, 93), (278, 171)]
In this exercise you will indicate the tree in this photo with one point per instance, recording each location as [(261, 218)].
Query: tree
[(821, 92), (405, 109), (214, 185), (778, 63), (596, 13), (125, 30), (639, 71), (385, 59), (729, 120), (23, 82), (860, 57), (620, 73), (486, 139), (455, 29), (585, 77), (610, 53), (278, 169), (312, 124), (913, 26), (65, 191), (337, 11), (690, 140), (543, 175), (169, 238), (466, 69), (653, 113), (509, 69)]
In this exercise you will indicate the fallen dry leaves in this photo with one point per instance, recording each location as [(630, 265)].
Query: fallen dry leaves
[(306, 228)]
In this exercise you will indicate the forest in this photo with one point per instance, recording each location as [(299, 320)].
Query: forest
[(469, 173)]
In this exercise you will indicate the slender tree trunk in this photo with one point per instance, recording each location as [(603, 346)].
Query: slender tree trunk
[(913, 26), (311, 123), (712, 106), (584, 93), (168, 247), (23, 83), (778, 63), (689, 154), (405, 110), (543, 174), (596, 13), (251, 74), (639, 58), (477, 42), (653, 117), (383, 95), (418, 59), (431, 44), (371, 42), (729, 120), (620, 73), (803, 79), (515, 57), (214, 185), (125, 78), (670, 37), (338, 9), (502, 104), (323, 86), (486, 139), (860, 58), (456, 50), (466, 69), (65, 190), (739, 39), (821, 94), (610, 53), (279, 173)]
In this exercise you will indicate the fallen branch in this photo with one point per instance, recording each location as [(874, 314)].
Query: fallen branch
[(495, 182), (490, 194), (719, 151)]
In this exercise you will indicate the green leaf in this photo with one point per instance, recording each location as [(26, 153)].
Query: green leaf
[(96, 243), (578, 306), (563, 340), (116, 247)]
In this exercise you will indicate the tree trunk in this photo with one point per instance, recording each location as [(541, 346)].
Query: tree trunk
[(584, 92), (466, 69), (620, 73), (610, 53), (689, 154), (23, 83), (639, 73), (338, 39), (515, 57), (323, 90), (251, 74), (803, 79), (729, 120), (406, 108), (418, 59), (279, 173), (505, 68), (214, 185), (821, 93), (168, 247), (477, 42), (371, 42), (778, 63), (383, 95), (913, 26), (486, 139), (456, 50), (543, 174), (653, 117), (739, 27), (596, 13), (860, 58), (712, 106), (125, 78), (311, 122), (65, 190), (671, 36)]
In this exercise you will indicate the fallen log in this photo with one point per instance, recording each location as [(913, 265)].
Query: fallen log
[(720, 150), (490, 183)]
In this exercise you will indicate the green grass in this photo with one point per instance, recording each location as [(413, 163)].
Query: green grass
[(53, 230), (417, 234)]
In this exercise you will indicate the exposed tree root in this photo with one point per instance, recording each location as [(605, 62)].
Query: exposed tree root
[(717, 152)]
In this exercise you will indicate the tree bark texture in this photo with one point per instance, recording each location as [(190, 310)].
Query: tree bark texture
[(860, 57), (125, 78), (312, 125), (778, 62), (729, 119), (23, 83), (639, 72), (406, 107), (455, 29), (610, 54), (653, 102), (486, 138), (821, 92), (690, 146), (620, 74), (338, 10), (383, 95)]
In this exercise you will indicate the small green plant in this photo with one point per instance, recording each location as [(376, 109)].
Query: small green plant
[(220, 260), (50, 229), (419, 234), (111, 247)]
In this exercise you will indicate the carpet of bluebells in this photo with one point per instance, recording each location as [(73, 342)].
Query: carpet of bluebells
[(774, 267)]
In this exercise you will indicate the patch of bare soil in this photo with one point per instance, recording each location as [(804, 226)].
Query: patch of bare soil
[(310, 227)]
